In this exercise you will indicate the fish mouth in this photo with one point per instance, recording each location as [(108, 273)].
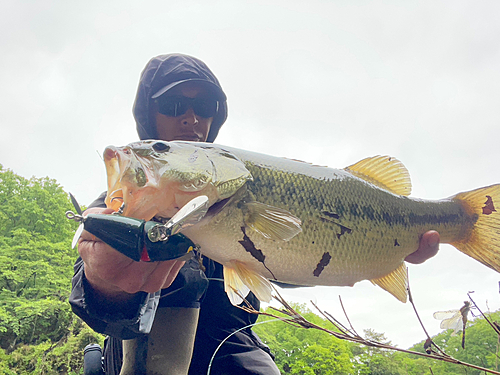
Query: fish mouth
[(134, 183), (115, 200), (115, 165)]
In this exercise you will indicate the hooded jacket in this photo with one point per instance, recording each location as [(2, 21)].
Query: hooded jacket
[(164, 70)]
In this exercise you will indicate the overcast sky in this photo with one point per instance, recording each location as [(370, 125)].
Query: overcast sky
[(329, 82)]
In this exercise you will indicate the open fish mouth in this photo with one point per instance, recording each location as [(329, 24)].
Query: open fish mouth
[(115, 167), (116, 201)]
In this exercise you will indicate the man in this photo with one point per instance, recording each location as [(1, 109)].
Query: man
[(178, 98)]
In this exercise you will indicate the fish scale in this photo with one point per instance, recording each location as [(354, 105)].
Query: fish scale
[(293, 222)]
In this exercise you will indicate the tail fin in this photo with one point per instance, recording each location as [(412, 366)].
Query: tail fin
[(484, 242)]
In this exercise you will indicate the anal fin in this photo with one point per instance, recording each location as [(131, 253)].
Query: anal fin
[(239, 280), (395, 283)]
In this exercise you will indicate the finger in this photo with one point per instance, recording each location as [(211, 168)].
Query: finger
[(87, 236), (173, 273), (152, 276), (98, 210), (429, 246)]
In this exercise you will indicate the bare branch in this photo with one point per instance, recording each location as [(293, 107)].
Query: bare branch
[(410, 298), (298, 320), (347, 317), (332, 320), (493, 325)]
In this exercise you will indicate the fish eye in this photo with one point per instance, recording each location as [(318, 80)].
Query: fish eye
[(161, 147)]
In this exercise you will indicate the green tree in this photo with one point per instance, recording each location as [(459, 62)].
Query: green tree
[(305, 351), (38, 332), (376, 361), (53, 358), (36, 204), (312, 352), (35, 284), (481, 347)]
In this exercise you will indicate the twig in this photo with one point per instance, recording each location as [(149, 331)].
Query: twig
[(298, 320), (345, 314), (484, 316), (332, 320), (410, 298)]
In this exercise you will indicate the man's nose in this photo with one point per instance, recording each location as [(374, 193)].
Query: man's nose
[(189, 118)]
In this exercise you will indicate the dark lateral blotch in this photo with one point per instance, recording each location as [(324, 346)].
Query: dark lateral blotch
[(249, 246), (325, 259), (343, 230), (330, 214)]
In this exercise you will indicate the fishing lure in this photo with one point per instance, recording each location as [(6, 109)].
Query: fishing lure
[(149, 241)]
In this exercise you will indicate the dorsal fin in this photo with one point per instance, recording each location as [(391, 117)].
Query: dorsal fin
[(385, 172), (395, 283)]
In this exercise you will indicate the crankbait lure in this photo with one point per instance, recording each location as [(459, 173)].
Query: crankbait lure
[(140, 239)]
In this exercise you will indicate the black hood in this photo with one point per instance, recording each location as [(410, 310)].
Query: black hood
[(165, 70)]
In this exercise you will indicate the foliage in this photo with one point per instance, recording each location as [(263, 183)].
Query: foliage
[(38, 332), (375, 361), (307, 352), (481, 347), (35, 284), (53, 358), (35, 260), (36, 205)]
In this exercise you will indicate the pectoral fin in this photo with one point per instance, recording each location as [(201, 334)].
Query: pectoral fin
[(239, 280), (395, 283), (271, 222)]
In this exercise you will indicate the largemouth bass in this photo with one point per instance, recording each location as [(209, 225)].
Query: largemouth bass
[(289, 221)]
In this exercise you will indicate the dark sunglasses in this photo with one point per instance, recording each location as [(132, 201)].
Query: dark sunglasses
[(178, 105)]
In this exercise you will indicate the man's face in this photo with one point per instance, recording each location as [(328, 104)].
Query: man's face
[(188, 126)]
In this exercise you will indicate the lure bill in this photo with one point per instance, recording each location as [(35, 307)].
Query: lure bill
[(284, 220)]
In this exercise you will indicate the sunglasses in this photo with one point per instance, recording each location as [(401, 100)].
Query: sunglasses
[(174, 106)]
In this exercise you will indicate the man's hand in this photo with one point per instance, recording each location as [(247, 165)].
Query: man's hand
[(116, 276), (429, 246)]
